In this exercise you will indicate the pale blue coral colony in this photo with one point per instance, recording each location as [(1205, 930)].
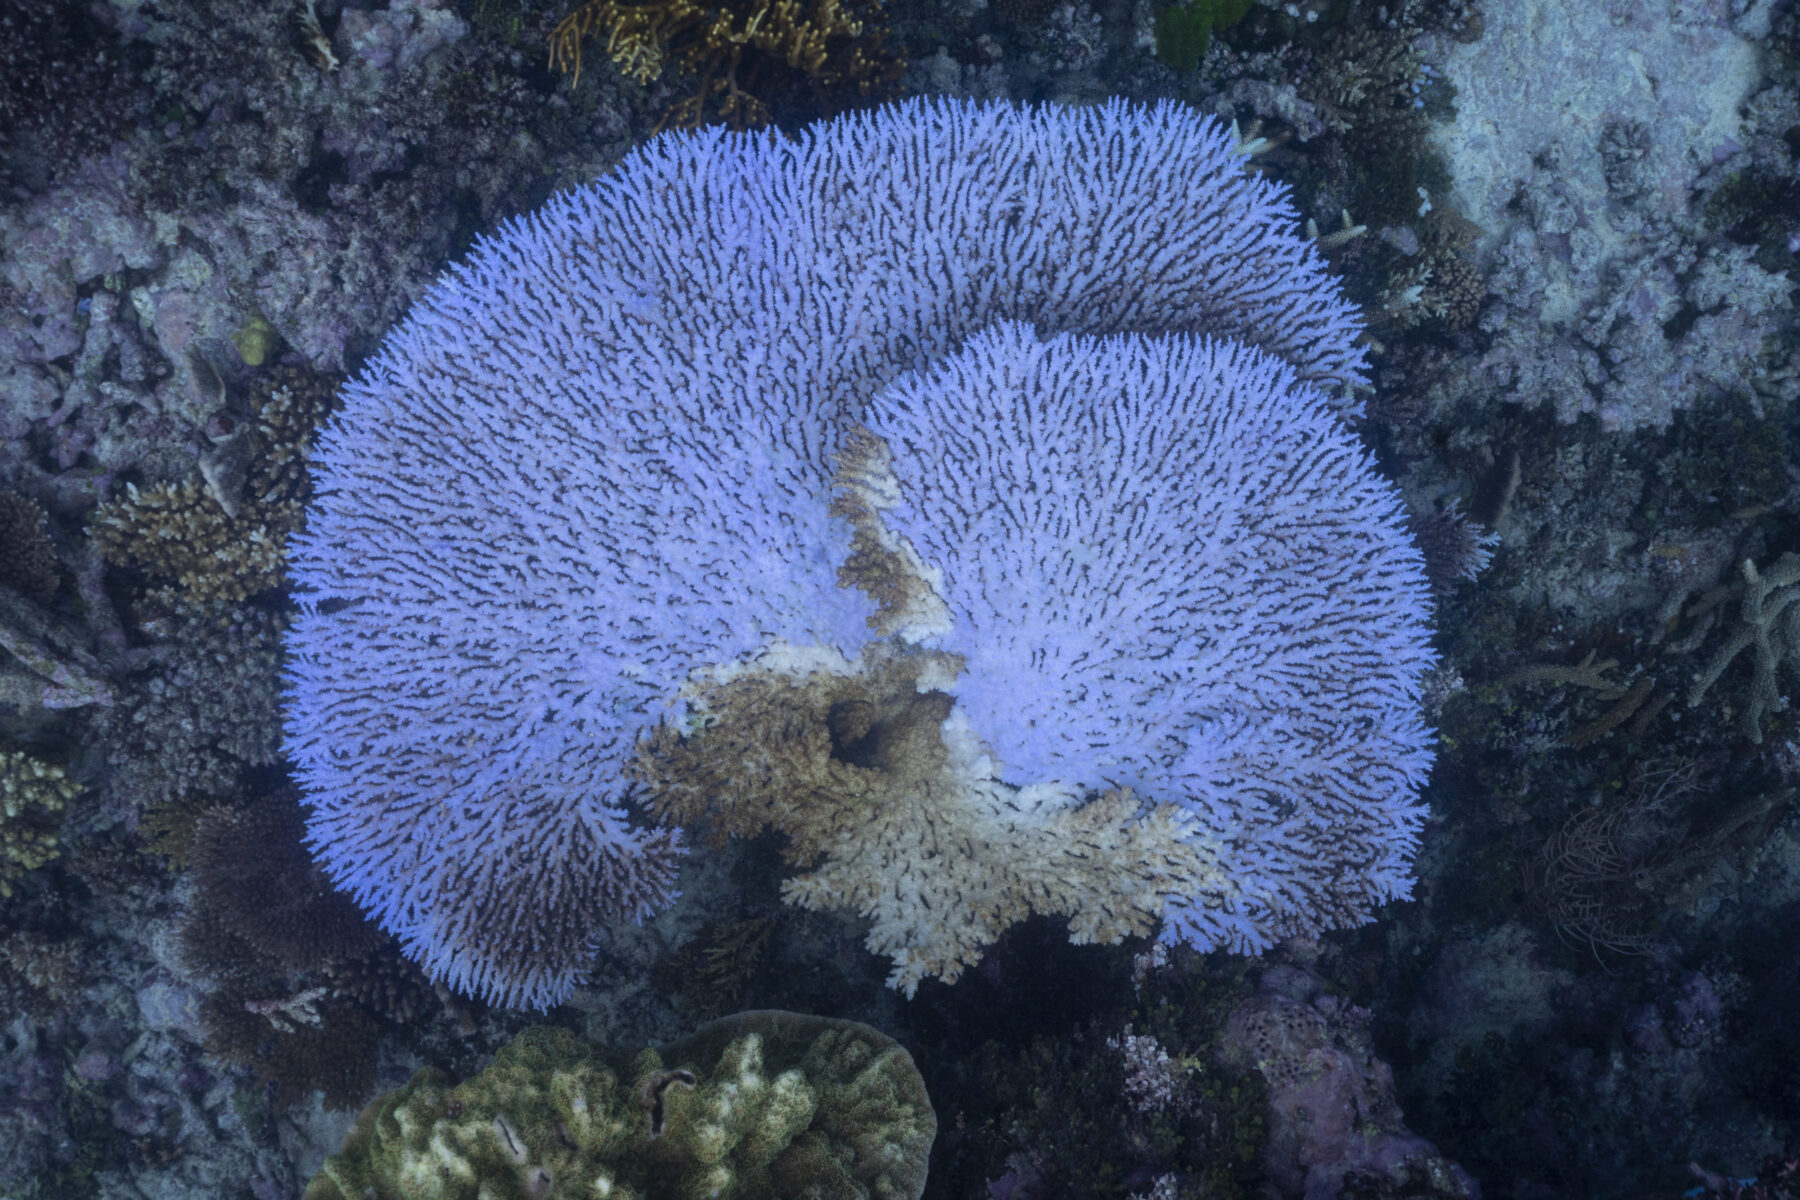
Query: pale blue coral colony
[(598, 456)]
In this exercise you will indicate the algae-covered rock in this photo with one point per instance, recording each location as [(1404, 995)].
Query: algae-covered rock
[(763, 1105)]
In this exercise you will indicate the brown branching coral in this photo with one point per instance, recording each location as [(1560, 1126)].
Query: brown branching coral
[(265, 911), (744, 54), (383, 982), (890, 808), (303, 974), (1768, 626), (252, 868), (297, 1043), (1441, 288), (1366, 76), (725, 959), (27, 559), (37, 975), (1455, 548), (221, 535)]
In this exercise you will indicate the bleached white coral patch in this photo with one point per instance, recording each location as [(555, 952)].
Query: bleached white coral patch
[(597, 457), (1170, 568)]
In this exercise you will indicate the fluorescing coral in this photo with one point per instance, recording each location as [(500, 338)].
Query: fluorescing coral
[(743, 53), (534, 529), (1082, 505), (754, 1107), (220, 536), (32, 795)]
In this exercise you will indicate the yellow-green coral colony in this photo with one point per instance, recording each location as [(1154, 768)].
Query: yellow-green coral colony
[(758, 1106), (742, 52), (32, 795)]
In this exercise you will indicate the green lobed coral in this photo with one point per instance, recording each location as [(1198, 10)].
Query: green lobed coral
[(752, 1107)]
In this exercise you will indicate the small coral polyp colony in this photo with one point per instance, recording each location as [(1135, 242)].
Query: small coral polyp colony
[(962, 490)]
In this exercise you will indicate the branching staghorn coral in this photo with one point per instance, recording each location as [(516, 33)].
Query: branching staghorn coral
[(741, 52), (1769, 627)]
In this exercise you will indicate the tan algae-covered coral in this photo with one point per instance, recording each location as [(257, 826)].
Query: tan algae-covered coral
[(756, 1106)]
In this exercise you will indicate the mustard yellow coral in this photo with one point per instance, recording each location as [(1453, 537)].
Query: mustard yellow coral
[(221, 535), (32, 795), (741, 52)]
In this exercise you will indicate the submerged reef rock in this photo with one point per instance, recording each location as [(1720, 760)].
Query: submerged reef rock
[(1587, 179), (756, 1106), (618, 459)]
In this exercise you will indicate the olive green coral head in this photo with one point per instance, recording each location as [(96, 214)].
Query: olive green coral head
[(757, 1106)]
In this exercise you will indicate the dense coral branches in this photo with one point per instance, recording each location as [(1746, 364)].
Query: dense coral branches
[(220, 535), (32, 795), (745, 55), (597, 463), (898, 818)]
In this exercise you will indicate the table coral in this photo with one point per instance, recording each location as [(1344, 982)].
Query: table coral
[(598, 461)]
